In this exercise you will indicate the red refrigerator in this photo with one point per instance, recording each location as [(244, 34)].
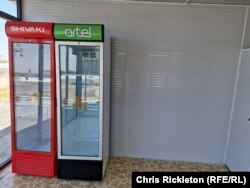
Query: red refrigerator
[(32, 96)]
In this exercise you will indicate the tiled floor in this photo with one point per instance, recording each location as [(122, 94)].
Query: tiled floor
[(118, 174)]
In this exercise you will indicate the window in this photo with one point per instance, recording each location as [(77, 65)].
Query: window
[(10, 9), (5, 144)]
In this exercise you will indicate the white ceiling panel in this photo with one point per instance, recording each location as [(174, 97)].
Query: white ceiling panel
[(218, 2)]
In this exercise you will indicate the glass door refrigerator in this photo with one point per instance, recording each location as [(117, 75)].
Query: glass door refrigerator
[(83, 100), (32, 96)]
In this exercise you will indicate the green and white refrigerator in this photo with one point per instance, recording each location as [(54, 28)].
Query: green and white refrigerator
[(83, 100)]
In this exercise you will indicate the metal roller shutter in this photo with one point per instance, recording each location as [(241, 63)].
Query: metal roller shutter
[(173, 73)]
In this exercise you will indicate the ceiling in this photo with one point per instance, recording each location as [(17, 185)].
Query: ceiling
[(218, 2)]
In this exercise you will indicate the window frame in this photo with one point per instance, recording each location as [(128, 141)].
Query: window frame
[(19, 12), (6, 16)]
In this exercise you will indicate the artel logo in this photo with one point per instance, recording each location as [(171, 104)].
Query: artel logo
[(78, 32), (27, 29)]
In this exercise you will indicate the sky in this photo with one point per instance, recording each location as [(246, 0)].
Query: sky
[(3, 41), (10, 8)]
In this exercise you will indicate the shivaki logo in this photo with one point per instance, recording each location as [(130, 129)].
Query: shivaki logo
[(28, 29)]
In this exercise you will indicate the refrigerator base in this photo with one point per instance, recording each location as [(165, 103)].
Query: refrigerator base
[(33, 165), (80, 169)]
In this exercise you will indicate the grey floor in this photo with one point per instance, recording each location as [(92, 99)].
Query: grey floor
[(5, 145)]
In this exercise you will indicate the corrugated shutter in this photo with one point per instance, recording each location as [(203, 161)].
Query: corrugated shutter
[(173, 73), (238, 150)]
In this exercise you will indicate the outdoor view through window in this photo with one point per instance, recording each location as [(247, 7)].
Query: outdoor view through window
[(5, 144), (8, 10)]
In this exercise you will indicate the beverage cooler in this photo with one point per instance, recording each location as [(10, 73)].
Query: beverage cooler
[(32, 96), (83, 100)]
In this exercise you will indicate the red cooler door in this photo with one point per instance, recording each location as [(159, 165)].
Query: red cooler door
[(32, 109)]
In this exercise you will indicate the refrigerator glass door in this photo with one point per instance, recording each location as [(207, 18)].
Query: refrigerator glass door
[(32, 96), (79, 77)]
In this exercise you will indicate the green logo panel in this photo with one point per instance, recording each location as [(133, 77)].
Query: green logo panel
[(80, 32)]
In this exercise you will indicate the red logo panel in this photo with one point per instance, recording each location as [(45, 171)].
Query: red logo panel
[(32, 30)]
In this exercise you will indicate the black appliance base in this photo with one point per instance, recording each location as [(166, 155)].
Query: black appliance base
[(79, 169)]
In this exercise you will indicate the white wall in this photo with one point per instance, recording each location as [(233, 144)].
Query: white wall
[(173, 73), (238, 149)]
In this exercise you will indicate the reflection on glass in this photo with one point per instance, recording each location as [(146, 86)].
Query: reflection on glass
[(9, 7), (80, 88), (32, 96), (5, 144)]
